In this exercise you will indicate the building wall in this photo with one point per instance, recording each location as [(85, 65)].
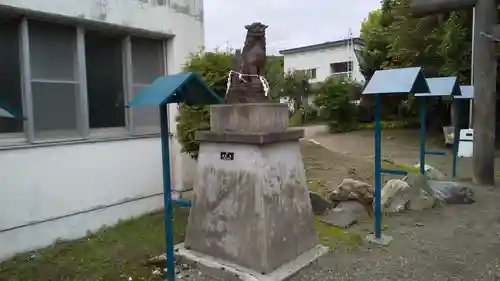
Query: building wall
[(321, 60), (61, 190)]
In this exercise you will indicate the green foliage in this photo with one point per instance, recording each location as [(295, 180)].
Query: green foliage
[(376, 43), (307, 115), (297, 88), (296, 118), (213, 67), (274, 75), (335, 105), (441, 44)]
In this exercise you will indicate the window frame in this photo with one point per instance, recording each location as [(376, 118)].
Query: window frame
[(27, 138), (13, 138)]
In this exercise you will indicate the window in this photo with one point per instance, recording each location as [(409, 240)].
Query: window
[(104, 68), (147, 65), (338, 67), (71, 84), (54, 89), (311, 73), (10, 77)]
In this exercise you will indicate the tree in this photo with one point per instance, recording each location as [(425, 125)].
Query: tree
[(438, 43), (297, 88), (376, 43), (335, 105), (274, 75)]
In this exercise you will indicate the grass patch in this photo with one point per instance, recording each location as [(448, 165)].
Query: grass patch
[(114, 253), (331, 236), (316, 185)]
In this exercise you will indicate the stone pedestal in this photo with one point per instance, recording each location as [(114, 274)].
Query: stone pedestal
[(251, 204)]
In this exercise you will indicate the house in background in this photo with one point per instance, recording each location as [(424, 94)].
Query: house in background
[(337, 58), (320, 61), (81, 159)]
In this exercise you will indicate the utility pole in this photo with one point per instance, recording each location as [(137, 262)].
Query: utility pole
[(350, 50)]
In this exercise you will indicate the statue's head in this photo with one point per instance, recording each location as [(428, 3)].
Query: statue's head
[(256, 29)]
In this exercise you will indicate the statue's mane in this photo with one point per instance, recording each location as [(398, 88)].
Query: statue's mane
[(256, 34)]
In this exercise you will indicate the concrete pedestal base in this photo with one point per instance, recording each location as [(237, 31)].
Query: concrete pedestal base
[(253, 208), (384, 240), (232, 272), (251, 204)]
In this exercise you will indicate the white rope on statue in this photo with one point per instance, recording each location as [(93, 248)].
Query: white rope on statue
[(263, 81)]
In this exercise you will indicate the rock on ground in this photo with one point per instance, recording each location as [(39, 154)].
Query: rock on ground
[(395, 196), (346, 214), (431, 173), (452, 192), (319, 204), (350, 189), (421, 202)]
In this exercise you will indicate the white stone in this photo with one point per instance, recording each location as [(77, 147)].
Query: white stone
[(395, 196), (431, 173)]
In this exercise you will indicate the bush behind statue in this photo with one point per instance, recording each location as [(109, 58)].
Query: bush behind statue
[(334, 102), (213, 67)]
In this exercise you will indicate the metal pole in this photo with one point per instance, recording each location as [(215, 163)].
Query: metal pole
[(471, 102), (422, 135), (456, 133), (167, 195), (378, 167)]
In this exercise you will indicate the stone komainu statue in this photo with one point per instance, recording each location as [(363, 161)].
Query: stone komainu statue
[(249, 89)]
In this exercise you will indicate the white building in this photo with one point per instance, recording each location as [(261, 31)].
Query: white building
[(81, 159), (323, 60)]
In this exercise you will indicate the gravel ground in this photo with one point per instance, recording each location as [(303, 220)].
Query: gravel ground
[(456, 242)]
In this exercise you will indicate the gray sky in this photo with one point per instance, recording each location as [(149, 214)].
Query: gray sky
[(292, 23)]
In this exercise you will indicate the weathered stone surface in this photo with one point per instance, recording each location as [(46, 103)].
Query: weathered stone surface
[(395, 196), (350, 189), (431, 172), (256, 138), (422, 201), (249, 118), (319, 204), (248, 87), (253, 211), (252, 92), (346, 214), (452, 192), (419, 182)]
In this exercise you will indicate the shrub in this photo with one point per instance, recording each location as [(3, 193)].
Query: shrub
[(335, 105), (213, 67)]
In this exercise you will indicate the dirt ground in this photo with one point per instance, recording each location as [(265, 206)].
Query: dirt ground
[(402, 146), (457, 242)]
